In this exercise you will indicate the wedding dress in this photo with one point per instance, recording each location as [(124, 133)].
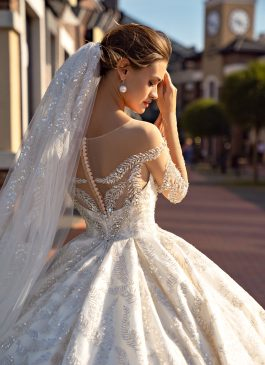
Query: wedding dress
[(126, 291)]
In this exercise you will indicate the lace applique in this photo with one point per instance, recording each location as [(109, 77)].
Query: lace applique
[(131, 187), (82, 196), (80, 181), (113, 194), (132, 184), (128, 164), (174, 183)]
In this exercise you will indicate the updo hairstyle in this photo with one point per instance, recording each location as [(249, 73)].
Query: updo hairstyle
[(140, 44)]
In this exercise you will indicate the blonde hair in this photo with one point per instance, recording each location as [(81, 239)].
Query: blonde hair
[(140, 44)]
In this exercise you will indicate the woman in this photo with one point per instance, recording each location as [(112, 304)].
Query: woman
[(125, 291)]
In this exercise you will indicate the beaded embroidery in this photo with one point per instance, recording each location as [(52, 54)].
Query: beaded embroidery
[(132, 163), (148, 298), (172, 181), (131, 188)]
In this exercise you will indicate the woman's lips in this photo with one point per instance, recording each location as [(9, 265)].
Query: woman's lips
[(146, 104)]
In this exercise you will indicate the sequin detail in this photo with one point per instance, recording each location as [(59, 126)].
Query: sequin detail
[(174, 183), (131, 162), (127, 292), (131, 188)]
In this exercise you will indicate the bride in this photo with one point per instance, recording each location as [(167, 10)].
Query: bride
[(125, 291)]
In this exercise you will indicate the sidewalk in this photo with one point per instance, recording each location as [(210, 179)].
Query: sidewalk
[(224, 224), (245, 177)]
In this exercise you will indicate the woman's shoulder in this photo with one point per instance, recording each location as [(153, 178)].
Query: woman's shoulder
[(146, 133)]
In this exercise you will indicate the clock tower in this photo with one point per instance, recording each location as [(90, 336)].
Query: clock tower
[(225, 20)]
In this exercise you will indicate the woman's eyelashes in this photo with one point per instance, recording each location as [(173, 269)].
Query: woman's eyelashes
[(153, 83)]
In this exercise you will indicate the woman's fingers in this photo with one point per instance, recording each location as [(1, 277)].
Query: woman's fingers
[(167, 94), (160, 90), (169, 81)]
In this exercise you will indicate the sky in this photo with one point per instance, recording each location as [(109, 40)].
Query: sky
[(182, 20)]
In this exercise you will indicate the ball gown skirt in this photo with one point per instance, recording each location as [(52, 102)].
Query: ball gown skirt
[(127, 292)]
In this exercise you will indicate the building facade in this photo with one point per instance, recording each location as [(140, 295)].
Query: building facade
[(229, 45), (37, 36)]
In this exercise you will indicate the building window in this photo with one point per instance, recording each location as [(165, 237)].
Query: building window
[(29, 35), (213, 89), (53, 54), (66, 55)]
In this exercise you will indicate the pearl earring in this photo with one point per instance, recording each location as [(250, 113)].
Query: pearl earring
[(123, 87)]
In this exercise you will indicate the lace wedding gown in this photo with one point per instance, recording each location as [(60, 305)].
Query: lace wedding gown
[(127, 292)]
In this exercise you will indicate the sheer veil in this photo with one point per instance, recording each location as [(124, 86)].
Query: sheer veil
[(36, 191)]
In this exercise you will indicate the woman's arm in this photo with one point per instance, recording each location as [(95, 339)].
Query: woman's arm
[(172, 137), (167, 122)]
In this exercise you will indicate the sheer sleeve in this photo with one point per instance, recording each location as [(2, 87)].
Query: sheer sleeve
[(173, 186), (167, 176)]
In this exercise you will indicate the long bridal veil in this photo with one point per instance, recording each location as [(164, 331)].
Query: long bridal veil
[(36, 191)]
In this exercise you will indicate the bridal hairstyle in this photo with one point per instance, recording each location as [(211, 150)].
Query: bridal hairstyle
[(140, 44), (37, 190)]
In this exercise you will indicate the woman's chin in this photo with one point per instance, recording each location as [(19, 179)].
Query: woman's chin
[(138, 110), (141, 110)]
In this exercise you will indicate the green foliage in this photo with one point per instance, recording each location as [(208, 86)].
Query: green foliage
[(205, 118), (243, 95)]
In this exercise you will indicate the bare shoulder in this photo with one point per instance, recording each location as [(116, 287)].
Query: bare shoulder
[(146, 134)]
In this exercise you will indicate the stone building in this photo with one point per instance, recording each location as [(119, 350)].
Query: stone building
[(229, 45), (36, 36)]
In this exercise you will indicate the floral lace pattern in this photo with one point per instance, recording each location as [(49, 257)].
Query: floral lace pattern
[(174, 183), (131, 188), (127, 292)]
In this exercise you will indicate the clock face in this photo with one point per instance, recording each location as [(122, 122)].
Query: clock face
[(239, 21), (213, 23)]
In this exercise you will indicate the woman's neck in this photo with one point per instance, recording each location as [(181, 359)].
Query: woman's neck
[(108, 112)]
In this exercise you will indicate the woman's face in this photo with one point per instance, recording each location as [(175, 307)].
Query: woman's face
[(142, 85)]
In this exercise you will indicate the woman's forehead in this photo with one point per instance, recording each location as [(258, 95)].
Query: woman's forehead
[(157, 69)]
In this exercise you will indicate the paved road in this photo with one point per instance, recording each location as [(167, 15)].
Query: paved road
[(222, 224), (227, 228)]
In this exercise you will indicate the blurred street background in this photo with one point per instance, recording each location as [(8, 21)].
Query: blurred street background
[(218, 67)]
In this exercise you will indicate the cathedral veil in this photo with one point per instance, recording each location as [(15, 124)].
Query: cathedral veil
[(36, 191)]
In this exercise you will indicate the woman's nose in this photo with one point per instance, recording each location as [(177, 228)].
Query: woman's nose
[(154, 94)]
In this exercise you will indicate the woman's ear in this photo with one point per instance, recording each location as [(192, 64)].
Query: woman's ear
[(122, 68)]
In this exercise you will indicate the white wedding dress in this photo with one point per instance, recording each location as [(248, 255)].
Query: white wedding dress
[(127, 292)]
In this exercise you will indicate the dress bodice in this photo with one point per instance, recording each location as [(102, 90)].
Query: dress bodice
[(127, 204)]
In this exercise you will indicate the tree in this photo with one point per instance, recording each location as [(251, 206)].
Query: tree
[(205, 118), (243, 95)]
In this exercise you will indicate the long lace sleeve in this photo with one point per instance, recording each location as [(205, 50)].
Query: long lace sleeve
[(173, 183), (167, 176)]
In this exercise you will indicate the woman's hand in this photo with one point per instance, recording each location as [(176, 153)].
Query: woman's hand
[(167, 97)]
